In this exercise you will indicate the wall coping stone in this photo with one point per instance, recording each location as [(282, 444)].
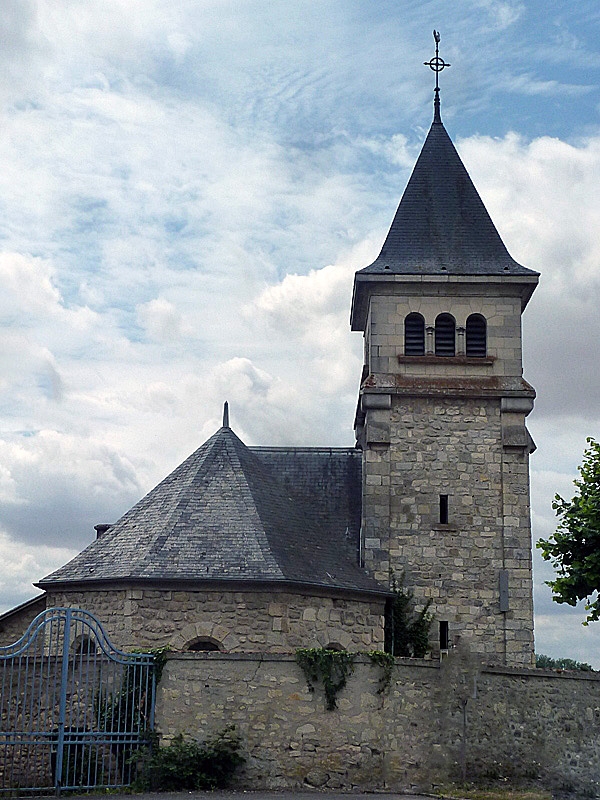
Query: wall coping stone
[(537, 672), (216, 655), (411, 663)]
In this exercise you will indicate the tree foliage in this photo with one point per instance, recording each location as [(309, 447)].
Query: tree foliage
[(406, 630), (547, 662), (574, 548)]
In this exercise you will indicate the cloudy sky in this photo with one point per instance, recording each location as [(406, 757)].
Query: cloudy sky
[(186, 190)]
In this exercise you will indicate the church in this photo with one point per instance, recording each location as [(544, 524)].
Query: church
[(267, 549)]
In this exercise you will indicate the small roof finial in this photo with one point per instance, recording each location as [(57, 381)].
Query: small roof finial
[(436, 64), (226, 414)]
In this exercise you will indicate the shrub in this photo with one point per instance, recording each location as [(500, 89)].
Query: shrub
[(188, 765)]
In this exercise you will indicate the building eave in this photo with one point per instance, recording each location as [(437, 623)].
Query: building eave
[(294, 587), (368, 284)]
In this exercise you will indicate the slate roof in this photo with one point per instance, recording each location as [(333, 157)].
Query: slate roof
[(441, 225), (225, 515), (328, 479)]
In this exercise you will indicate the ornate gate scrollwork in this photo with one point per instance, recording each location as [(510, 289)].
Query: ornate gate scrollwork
[(73, 708)]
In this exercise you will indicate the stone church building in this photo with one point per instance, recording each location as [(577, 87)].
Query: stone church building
[(267, 549)]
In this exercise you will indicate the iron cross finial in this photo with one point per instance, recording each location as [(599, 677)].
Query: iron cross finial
[(437, 64)]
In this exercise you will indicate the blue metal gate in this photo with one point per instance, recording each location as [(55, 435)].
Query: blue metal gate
[(73, 710)]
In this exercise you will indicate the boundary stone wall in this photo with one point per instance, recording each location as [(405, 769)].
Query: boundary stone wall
[(499, 723), (14, 624)]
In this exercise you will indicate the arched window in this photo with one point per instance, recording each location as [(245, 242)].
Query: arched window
[(476, 336), (445, 338), (84, 646), (334, 646), (414, 335), (203, 645)]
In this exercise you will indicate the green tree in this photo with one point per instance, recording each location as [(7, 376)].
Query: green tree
[(547, 662), (406, 630), (574, 548)]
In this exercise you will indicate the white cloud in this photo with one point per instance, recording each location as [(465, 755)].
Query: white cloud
[(541, 195), (28, 285), (528, 84), (57, 486), (18, 562), (160, 318), (503, 14)]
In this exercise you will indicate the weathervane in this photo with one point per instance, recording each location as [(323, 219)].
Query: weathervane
[(437, 64)]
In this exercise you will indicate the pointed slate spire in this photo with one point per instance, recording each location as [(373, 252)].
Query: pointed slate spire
[(441, 227), (226, 414)]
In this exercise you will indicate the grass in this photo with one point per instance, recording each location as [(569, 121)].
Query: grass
[(494, 794)]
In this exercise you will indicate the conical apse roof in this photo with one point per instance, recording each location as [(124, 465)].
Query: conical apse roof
[(220, 516)]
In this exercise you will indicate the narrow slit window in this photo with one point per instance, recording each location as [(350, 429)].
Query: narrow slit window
[(443, 509), (445, 335), (444, 636), (476, 344), (414, 335)]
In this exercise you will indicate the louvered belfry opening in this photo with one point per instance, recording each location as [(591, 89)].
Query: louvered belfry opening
[(476, 336), (414, 335), (445, 339)]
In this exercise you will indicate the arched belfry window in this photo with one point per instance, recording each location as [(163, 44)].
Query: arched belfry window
[(445, 335), (414, 335), (476, 346)]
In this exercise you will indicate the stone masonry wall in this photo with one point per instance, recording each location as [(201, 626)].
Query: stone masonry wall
[(273, 622), (453, 447), (455, 427), (15, 624), (522, 725)]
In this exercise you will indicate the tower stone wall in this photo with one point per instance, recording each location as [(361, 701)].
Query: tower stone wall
[(446, 465), (500, 304), (453, 447)]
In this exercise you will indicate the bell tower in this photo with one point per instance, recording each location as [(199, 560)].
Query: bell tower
[(442, 408)]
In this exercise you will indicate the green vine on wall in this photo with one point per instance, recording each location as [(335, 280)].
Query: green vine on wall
[(385, 661), (161, 654), (331, 668)]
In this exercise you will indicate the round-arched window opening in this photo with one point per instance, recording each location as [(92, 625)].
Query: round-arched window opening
[(334, 646), (445, 335), (84, 646), (414, 335), (203, 645), (476, 344)]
